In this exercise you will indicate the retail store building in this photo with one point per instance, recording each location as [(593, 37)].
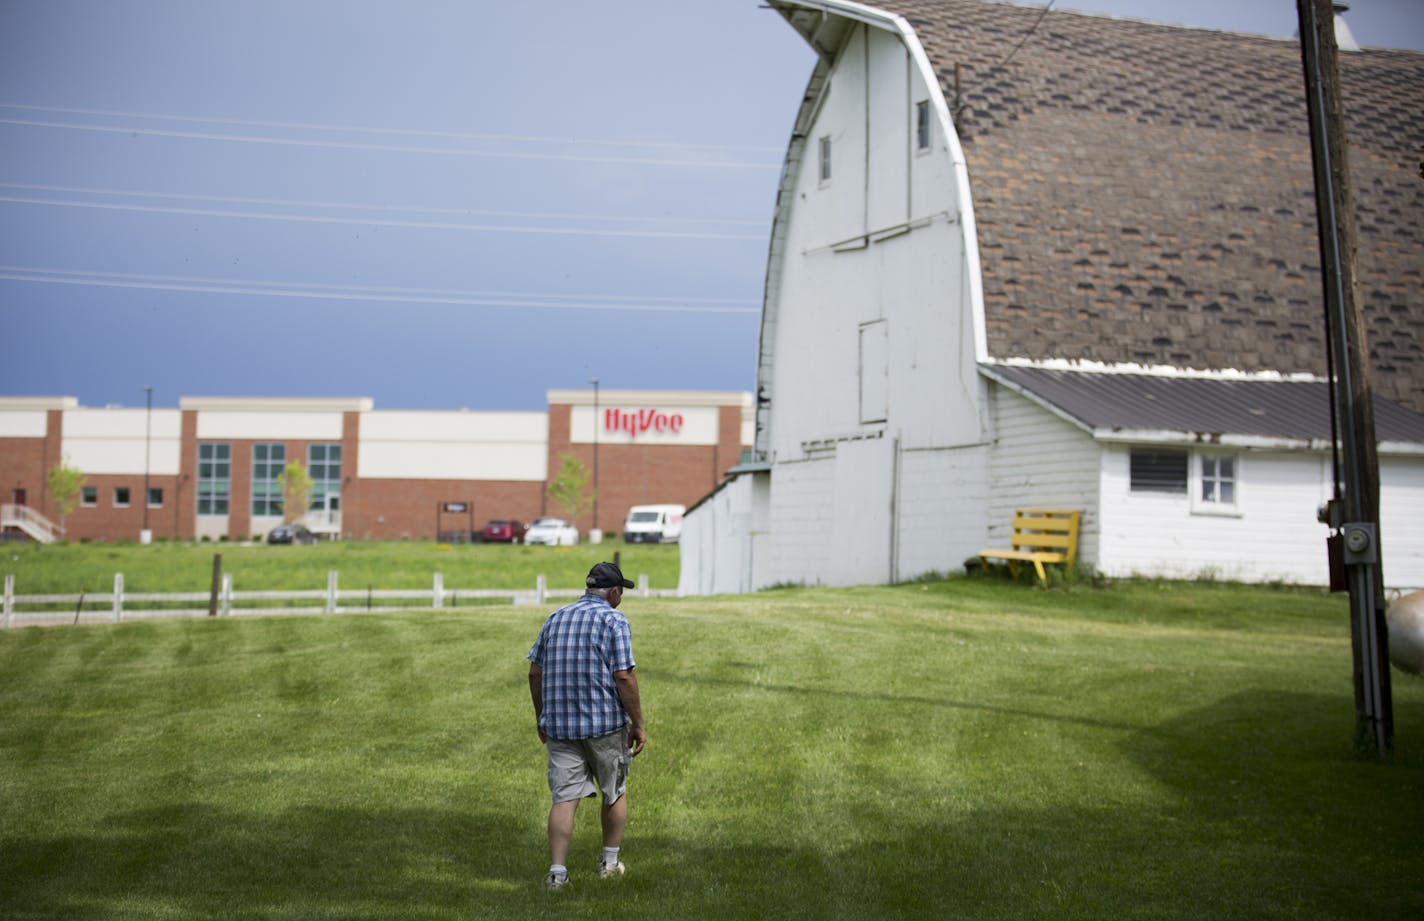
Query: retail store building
[(207, 469)]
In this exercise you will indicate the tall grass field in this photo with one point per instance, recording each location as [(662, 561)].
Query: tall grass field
[(959, 749)]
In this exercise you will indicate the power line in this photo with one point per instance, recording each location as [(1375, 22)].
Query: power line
[(358, 206), (1029, 33), (386, 148), (378, 294), (377, 222), (363, 129)]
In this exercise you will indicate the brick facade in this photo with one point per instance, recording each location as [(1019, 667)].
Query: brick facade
[(636, 474), (378, 508)]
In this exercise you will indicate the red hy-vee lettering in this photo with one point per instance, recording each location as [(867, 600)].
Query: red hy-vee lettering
[(641, 421)]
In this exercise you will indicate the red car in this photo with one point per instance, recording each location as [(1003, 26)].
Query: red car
[(503, 531)]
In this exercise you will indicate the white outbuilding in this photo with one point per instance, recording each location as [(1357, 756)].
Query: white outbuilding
[(1028, 258)]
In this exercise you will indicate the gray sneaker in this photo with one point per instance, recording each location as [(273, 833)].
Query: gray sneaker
[(609, 871), (555, 883)]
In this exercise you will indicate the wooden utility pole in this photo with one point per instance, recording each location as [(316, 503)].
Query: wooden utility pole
[(1353, 513)]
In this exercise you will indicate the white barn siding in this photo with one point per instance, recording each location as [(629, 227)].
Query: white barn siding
[(861, 522), (1402, 521), (1273, 534), (874, 430), (724, 546), (1039, 460), (800, 520), (942, 498), (887, 87), (881, 241)]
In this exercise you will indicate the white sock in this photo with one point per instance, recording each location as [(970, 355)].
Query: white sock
[(610, 856), (559, 870)]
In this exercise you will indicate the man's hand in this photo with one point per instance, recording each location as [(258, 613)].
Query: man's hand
[(637, 738), (626, 684)]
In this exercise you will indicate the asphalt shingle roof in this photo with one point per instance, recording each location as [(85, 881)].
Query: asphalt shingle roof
[(1144, 193)]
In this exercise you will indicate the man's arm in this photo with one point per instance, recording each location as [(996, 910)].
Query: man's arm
[(536, 694), (627, 684)]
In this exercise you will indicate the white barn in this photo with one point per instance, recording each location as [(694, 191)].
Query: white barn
[(1064, 260)]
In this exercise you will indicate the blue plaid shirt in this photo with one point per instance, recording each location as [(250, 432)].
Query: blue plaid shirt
[(579, 648)]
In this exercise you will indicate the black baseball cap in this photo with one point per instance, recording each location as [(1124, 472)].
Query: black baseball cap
[(607, 575)]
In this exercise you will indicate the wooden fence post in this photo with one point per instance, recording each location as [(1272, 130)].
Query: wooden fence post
[(226, 608), (118, 597), (9, 599), (541, 588), (438, 592), (216, 585), (331, 591)]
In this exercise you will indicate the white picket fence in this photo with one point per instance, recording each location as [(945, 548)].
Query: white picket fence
[(118, 605)]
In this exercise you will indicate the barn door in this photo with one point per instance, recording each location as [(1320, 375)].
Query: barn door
[(862, 492)]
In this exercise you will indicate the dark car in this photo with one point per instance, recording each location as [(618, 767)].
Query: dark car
[(503, 531), (290, 534)]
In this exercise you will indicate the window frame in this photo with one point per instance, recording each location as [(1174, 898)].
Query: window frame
[(88, 497), (924, 130), (328, 484), (823, 169), (152, 491), (214, 491), (267, 500), (1201, 462), (126, 501)]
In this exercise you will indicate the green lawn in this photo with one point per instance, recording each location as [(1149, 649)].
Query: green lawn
[(188, 567), (959, 749)]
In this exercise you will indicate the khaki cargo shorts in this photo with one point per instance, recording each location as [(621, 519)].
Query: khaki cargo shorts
[(579, 768)]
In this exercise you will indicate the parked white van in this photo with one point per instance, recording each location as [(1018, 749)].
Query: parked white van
[(654, 524)]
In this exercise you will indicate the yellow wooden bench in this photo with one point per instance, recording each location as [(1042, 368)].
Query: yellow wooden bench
[(1041, 535)]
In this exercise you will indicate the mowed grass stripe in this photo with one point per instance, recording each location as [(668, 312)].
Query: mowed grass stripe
[(961, 749)]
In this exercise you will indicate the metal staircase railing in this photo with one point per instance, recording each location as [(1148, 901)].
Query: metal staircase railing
[(31, 522)]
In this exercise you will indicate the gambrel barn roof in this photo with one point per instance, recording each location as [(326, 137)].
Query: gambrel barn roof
[(1144, 194)]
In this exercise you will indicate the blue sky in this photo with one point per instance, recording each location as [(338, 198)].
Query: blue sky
[(433, 203)]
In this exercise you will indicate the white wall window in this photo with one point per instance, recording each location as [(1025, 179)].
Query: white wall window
[(825, 149), (1217, 482), (155, 497), (121, 497), (922, 125), (89, 496), (1156, 470)]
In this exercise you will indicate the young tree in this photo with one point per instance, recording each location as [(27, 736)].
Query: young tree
[(568, 490), (296, 485), (64, 482)]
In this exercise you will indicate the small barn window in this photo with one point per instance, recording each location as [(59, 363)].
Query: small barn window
[(922, 125), (825, 147), (1218, 480), (1158, 471)]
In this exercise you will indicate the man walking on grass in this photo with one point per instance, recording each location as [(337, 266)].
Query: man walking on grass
[(587, 711)]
